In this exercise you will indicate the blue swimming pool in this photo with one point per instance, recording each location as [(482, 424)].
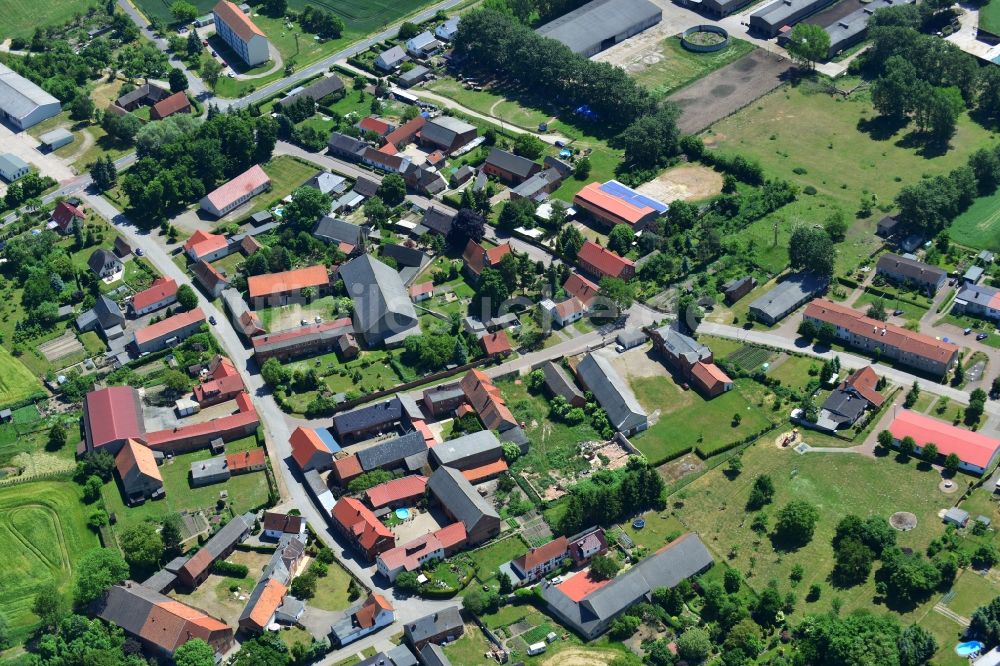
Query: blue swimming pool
[(402, 514), (968, 647)]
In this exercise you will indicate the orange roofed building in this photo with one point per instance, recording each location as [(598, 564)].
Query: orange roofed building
[(366, 532), (240, 33), (203, 246), (477, 257), (313, 449), (430, 547), (487, 401), (609, 209), (537, 562), (374, 614), (602, 262), (139, 475), (273, 289)]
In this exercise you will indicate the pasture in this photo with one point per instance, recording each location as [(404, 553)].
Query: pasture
[(21, 17), (43, 531), (16, 381), (669, 66), (979, 226)]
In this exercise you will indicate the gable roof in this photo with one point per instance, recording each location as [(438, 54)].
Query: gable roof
[(972, 448), (358, 520), (202, 243), (378, 293), (864, 382), (911, 269), (270, 284), (444, 130), (438, 219), (307, 442), (460, 498), (161, 289), (594, 194), (248, 181), (684, 346), (581, 288), (393, 55), (496, 343), (393, 452), (100, 258), (709, 374), (169, 325), (234, 17), (241, 460), (347, 467), (457, 452), (284, 522), (396, 490), (134, 459), (376, 125), (326, 85), (542, 554), (434, 624), (487, 400), (611, 391), (19, 96), (113, 414), (603, 259), (515, 164), (382, 412), (366, 187), (477, 257), (208, 275), (171, 105), (221, 542), (559, 383), (64, 213), (335, 229), (408, 129)]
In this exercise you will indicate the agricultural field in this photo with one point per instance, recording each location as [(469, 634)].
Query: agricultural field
[(837, 484), (21, 17), (685, 419), (813, 138), (669, 66), (43, 531), (16, 381), (979, 226)]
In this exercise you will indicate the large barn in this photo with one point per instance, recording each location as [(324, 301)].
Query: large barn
[(601, 24), (22, 103)]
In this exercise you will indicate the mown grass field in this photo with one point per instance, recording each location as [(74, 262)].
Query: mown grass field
[(287, 175), (489, 103), (812, 138), (979, 227), (16, 381), (678, 67), (686, 419), (43, 532), (21, 17), (837, 484)]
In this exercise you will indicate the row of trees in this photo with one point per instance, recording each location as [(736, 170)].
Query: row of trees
[(610, 496)]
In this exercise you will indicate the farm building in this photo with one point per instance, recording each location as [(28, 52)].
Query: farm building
[(22, 103), (851, 29), (600, 24), (57, 138), (976, 451), (786, 297), (245, 186), (324, 86), (13, 167), (612, 203), (769, 20)]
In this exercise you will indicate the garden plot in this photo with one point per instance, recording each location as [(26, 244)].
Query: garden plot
[(63, 346)]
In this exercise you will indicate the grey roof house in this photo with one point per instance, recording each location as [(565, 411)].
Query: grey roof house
[(407, 452), (443, 625), (391, 58), (786, 297), (467, 451), (910, 271), (613, 393), (383, 312), (557, 382), (317, 91), (104, 315), (447, 133), (438, 219), (461, 501), (328, 183), (375, 418), (22, 102), (336, 230), (591, 615)]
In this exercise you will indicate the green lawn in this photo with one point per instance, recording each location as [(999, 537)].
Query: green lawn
[(21, 17), (971, 591), (910, 311), (989, 18), (653, 535), (246, 491), (678, 67), (554, 445), (686, 419), (16, 381), (331, 589), (489, 558), (43, 532), (489, 103), (600, 651), (794, 371), (813, 138), (979, 226), (470, 648), (287, 175), (837, 484)]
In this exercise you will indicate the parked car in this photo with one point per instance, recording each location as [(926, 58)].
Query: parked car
[(139, 252), (211, 320), (897, 313), (967, 331), (982, 336)]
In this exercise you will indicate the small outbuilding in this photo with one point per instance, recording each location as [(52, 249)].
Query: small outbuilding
[(956, 516)]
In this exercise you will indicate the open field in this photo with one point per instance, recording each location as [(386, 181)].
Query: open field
[(43, 531), (21, 17), (490, 103), (670, 66), (287, 175), (979, 227), (246, 491), (837, 484), (16, 381), (813, 138), (685, 419), (331, 589)]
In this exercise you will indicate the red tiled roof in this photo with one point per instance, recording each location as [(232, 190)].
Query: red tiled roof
[(581, 288), (347, 467), (594, 197), (234, 17), (245, 459), (282, 522), (113, 413), (397, 490), (169, 325), (388, 149), (420, 426), (249, 245), (408, 554), (370, 124), (246, 182), (360, 522), (278, 283), (542, 554), (367, 613), (244, 418), (202, 243), (405, 131), (64, 214), (486, 399), (170, 624), (581, 585), (171, 105), (604, 260), (891, 335), (477, 474), (709, 374), (137, 454), (971, 447), (268, 601), (569, 307), (225, 380), (452, 536), (292, 333), (864, 382), (162, 288), (306, 443), (208, 275), (421, 289), (496, 343), (478, 257), (435, 158)]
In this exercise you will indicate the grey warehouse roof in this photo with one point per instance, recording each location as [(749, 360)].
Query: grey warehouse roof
[(381, 301), (9, 162), (380, 413), (617, 399), (393, 452), (852, 26), (790, 292), (452, 452), (19, 96), (335, 229), (585, 28)]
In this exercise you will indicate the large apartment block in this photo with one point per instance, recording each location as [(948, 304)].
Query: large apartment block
[(916, 350), (236, 29)]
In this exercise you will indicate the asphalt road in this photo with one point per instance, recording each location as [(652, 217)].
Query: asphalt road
[(195, 85)]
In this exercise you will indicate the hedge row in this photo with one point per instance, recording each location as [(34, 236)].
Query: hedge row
[(705, 455), (230, 569), (671, 456)]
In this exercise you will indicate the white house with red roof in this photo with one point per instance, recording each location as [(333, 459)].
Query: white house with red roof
[(976, 451), (240, 33), (66, 216), (160, 294), (204, 246), (239, 190), (538, 562)]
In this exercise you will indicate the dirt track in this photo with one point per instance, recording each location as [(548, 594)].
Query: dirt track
[(729, 89)]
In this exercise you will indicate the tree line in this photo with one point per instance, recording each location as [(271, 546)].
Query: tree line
[(611, 496)]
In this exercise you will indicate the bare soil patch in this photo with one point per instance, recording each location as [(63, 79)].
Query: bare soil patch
[(904, 521), (686, 183), (581, 657), (638, 362), (60, 347), (678, 469)]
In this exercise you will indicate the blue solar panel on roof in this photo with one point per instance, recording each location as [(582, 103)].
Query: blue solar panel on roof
[(616, 189)]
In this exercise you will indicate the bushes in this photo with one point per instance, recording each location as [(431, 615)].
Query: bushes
[(230, 569)]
